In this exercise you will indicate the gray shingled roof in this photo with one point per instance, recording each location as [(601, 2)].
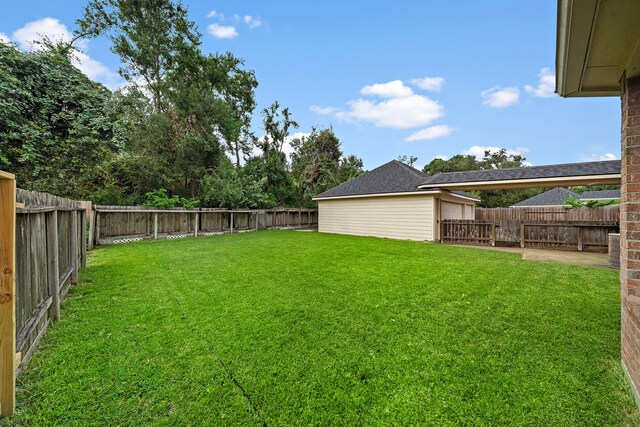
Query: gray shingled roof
[(392, 177), (555, 197), (607, 167), (601, 194)]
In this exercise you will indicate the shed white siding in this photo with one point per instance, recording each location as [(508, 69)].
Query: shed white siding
[(396, 217)]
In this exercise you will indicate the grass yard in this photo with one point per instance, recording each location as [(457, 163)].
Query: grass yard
[(284, 327)]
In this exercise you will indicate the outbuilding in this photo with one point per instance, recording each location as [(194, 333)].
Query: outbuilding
[(386, 202)]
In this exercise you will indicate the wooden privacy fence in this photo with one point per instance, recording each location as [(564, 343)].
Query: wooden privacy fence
[(555, 228), (121, 224), (49, 245)]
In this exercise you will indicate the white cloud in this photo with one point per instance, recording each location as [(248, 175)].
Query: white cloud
[(393, 89), (222, 31), (478, 151), (598, 157), (4, 38), (252, 21), (432, 132), (546, 84), (323, 111), (498, 97), (211, 14), (429, 83), (57, 31), (399, 113)]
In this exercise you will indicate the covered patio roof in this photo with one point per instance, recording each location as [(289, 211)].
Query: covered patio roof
[(562, 175), (598, 42)]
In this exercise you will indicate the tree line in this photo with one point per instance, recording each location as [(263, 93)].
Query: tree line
[(178, 132)]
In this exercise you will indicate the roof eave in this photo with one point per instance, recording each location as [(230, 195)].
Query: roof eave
[(565, 181)]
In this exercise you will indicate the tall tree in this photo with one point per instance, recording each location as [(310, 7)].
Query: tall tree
[(317, 164), (198, 105), (148, 35), (277, 125), (407, 160), (56, 128)]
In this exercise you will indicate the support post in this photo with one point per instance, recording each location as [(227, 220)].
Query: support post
[(299, 218), (7, 294), (155, 225), (53, 266), (83, 240), (257, 216), (92, 227), (232, 222), (97, 227), (522, 235), (493, 234), (195, 226), (74, 246), (580, 244)]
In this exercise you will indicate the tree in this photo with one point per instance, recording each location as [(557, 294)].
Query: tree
[(276, 126), (56, 125), (234, 188), (198, 105), (148, 35), (318, 164), (407, 160), (457, 163)]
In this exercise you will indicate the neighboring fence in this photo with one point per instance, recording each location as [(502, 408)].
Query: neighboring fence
[(121, 224), (553, 228)]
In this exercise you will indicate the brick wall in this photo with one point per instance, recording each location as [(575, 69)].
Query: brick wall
[(630, 231)]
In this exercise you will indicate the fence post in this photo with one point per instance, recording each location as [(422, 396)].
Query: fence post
[(441, 231), (522, 235), (493, 234), (97, 227), (580, 244), (53, 267), (74, 246), (232, 222), (155, 225), (92, 226), (195, 228), (83, 233), (7, 294), (257, 218)]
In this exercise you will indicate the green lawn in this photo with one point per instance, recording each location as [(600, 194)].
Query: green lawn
[(284, 327)]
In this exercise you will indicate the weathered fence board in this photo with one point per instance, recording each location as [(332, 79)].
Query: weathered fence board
[(119, 224), (534, 214), (50, 245)]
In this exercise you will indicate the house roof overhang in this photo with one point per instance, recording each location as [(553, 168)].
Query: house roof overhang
[(430, 191), (597, 44)]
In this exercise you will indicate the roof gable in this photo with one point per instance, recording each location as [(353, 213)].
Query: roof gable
[(392, 177)]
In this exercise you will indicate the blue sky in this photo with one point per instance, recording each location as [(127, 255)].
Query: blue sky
[(422, 78)]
